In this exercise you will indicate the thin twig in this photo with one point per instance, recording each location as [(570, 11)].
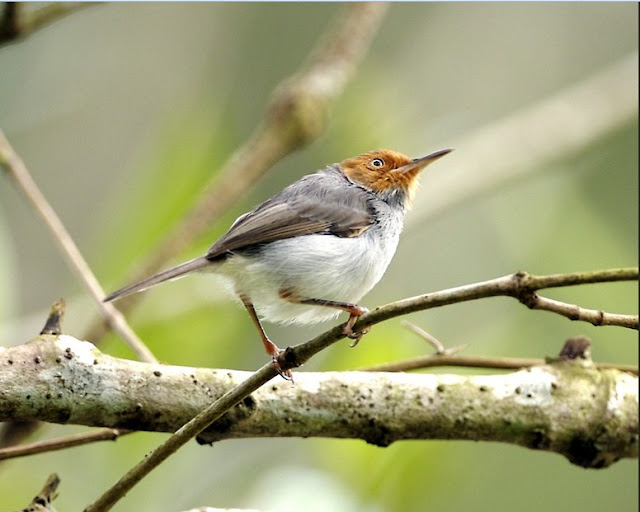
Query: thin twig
[(431, 339), (297, 114), (493, 363), (525, 286), (16, 168), (574, 312), (577, 278), (61, 443), (519, 286), (447, 356)]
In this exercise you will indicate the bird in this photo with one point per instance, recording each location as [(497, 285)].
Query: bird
[(315, 248)]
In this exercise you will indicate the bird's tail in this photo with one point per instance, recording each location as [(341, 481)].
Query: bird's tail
[(160, 277)]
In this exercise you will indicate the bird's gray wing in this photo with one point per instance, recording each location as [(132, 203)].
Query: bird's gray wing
[(325, 202)]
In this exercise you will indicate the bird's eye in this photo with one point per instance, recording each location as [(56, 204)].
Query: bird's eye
[(377, 163)]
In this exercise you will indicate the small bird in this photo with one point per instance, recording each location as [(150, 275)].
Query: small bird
[(315, 248)]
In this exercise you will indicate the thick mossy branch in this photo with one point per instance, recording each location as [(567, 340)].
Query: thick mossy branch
[(567, 406)]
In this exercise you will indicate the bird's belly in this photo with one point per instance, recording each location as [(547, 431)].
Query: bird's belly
[(313, 266)]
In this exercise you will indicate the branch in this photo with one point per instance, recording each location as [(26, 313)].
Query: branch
[(297, 114), (449, 357), (17, 170), (62, 443), (521, 286), (494, 363), (566, 406)]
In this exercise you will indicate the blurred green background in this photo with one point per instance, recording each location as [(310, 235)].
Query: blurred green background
[(124, 111)]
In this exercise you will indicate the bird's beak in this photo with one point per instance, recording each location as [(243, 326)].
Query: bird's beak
[(418, 164)]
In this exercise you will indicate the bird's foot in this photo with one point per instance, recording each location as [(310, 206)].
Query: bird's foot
[(285, 374), (347, 330), (274, 351)]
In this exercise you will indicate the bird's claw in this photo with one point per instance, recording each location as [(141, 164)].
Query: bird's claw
[(356, 336), (285, 374), (348, 331)]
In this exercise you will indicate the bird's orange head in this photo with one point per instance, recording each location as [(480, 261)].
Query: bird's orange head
[(388, 172)]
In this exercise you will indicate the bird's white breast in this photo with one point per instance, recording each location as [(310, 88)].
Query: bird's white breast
[(319, 266)]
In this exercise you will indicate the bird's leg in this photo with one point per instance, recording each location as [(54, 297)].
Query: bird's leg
[(271, 348), (355, 311)]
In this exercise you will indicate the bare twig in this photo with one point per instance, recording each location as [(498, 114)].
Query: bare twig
[(494, 363), (526, 285), (61, 443), (16, 168), (575, 278), (521, 286), (432, 340), (297, 114), (447, 357), (574, 312)]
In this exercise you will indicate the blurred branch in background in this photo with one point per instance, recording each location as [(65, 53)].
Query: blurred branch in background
[(62, 443), (18, 19), (552, 129), (297, 114), (18, 171)]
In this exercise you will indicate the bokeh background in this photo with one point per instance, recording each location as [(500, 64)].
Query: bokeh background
[(124, 111)]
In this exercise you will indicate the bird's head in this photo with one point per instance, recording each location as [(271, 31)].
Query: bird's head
[(388, 173)]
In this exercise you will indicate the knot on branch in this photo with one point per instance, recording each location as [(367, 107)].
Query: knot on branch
[(42, 502), (299, 110), (576, 348), (240, 412), (523, 289), (53, 325)]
